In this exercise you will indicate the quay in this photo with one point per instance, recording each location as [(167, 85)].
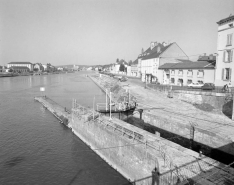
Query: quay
[(212, 130), (140, 156)]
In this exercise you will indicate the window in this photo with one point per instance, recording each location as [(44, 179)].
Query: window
[(227, 55), (172, 72), (180, 73), (229, 39), (190, 73), (226, 73), (172, 80), (200, 81), (200, 73)]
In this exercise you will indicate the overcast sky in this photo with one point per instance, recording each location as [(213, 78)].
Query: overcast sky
[(100, 31)]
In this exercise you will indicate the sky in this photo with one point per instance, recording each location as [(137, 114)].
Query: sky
[(97, 32)]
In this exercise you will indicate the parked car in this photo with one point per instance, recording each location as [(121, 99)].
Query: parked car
[(123, 79), (208, 86), (195, 85)]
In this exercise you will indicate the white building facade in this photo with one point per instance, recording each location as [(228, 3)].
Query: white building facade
[(21, 64), (158, 55), (225, 47)]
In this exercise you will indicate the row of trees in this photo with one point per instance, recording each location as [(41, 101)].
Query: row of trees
[(123, 63)]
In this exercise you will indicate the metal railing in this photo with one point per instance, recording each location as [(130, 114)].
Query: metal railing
[(217, 89)]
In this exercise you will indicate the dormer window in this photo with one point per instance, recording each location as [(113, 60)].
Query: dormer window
[(230, 25)]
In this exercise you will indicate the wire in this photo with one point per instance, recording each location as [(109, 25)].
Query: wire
[(215, 173), (183, 56)]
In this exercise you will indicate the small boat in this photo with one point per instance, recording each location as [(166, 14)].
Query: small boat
[(6, 75)]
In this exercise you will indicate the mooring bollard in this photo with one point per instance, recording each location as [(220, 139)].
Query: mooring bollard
[(155, 176)]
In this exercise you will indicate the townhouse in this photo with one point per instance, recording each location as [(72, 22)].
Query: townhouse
[(224, 66), (186, 71), (157, 55)]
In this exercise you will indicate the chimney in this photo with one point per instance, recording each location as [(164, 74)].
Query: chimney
[(164, 44), (211, 57), (152, 45), (158, 49)]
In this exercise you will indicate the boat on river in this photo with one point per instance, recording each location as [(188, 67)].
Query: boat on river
[(7, 75)]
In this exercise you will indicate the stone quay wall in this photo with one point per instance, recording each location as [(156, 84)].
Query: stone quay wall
[(135, 153), (181, 127)]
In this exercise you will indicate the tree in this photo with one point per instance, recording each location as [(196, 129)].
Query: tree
[(35, 69), (10, 70), (117, 60), (122, 67), (130, 63)]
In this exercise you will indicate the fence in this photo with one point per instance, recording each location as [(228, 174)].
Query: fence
[(217, 89), (129, 132)]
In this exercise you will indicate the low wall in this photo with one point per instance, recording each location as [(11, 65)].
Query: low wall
[(182, 128), (216, 100)]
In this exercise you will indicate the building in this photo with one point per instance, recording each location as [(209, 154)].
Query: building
[(186, 71), (29, 65), (224, 65), (20, 69), (157, 55), (38, 67), (134, 68)]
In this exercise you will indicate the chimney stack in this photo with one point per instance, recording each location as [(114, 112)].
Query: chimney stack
[(158, 49), (211, 57), (152, 45), (164, 44)]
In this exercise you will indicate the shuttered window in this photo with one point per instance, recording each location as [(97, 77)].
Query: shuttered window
[(226, 73), (229, 39), (227, 55)]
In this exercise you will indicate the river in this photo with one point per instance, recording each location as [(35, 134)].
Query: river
[(34, 147)]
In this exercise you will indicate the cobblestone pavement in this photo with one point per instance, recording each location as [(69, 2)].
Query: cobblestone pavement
[(159, 102)]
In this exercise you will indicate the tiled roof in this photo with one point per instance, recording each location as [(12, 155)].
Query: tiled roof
[(189, 65), (207, 58), (20, 63), (182, 60), (230, 18), (135, 61), (145, 52), (154, 53)]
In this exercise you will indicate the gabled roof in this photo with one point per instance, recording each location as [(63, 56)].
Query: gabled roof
[(154, 53), (189, 65), (145, 52), (20, 63), (230, 18)]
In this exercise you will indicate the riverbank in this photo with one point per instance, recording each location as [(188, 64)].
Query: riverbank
[(135, 153)]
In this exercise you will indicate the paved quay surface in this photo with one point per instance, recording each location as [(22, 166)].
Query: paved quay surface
[(159, 102)]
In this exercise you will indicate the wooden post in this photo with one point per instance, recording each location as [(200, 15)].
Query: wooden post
[(110, 105), (106, 100), (233, 107), (93, 106)]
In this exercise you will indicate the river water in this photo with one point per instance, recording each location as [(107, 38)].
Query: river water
[(34, 147)]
